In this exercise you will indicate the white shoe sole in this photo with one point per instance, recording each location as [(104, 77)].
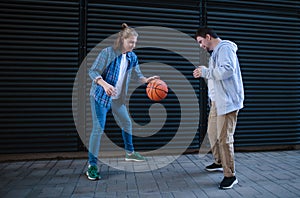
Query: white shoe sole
[(215, 169), (91, 178), (134, 160)]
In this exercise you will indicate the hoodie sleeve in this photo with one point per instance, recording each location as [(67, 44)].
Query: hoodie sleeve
[(224, 64)]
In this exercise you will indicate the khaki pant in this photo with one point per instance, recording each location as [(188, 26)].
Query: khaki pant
[(220, 133)]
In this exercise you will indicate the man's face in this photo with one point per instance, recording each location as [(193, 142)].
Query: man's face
[(204, 42)]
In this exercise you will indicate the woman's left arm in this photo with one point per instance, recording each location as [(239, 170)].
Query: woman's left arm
[(138, 74)]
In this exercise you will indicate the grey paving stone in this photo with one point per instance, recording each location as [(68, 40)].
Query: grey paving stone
[(184, 194), (106, 195), (292, 189), (68, 190), (83, 195), (132, 194), (17, 193), (51, 192), (167, 195), (84, 189), (247, 190), (279, 191), (260, 174), (149, 194)]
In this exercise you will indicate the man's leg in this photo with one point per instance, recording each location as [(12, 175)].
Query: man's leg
[(226, 128), (213, 139)]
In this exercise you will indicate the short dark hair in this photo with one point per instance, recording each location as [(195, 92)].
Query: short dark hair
[(203, 31)]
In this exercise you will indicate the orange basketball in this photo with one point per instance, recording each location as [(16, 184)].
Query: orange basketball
[(157, 90)]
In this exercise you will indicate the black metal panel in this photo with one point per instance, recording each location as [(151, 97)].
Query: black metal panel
[(105, 19), (267, 34), (42, 43), (39, 42)]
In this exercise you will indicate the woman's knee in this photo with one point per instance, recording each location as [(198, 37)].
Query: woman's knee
[(127, 125), (97, 130)]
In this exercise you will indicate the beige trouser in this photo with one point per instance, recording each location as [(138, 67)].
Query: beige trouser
[(220, 133)]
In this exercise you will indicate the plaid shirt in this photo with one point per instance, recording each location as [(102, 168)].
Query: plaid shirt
[(107, 66)]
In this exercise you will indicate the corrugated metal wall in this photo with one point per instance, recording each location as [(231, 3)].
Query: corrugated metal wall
[(105, 19), (43, 42), (39, 59), (42, 45), (267, 33)]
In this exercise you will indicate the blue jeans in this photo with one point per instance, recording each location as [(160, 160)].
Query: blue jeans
[(122, 118)]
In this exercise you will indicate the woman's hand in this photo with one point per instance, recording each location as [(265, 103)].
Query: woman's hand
[(147, 80), (108, 88)]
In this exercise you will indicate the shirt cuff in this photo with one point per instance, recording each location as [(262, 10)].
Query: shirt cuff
[(97, 78), (203, 71)]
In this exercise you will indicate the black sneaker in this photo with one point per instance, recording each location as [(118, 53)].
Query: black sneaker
[(228, 182), (214, 167)]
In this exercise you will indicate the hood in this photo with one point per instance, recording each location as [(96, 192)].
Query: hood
[(231, 44)]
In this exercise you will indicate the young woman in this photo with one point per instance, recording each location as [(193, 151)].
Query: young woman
[(111, 73)]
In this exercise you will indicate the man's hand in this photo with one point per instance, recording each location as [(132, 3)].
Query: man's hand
[(197, 73)]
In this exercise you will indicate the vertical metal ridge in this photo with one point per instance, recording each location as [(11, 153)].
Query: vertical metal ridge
[(39, 59), (270, 68), (105, 19)]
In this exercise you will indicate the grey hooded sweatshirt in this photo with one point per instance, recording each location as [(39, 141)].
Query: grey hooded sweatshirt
[(224, 71)]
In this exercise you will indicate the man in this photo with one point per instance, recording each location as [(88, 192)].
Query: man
[(226, 92)]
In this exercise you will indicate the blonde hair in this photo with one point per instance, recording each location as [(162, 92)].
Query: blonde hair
[(125, 33)]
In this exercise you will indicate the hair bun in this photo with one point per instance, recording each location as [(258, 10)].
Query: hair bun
[(124, 25)]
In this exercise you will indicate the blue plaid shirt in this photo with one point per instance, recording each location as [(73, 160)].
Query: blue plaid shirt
[(107, 66)]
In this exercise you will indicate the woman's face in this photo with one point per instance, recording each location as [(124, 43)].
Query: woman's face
[(129, 44)]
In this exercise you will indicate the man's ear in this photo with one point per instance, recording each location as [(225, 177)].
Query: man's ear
[(208, 37)]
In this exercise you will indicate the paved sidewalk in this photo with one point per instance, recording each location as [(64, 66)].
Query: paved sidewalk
[(260, 174)]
